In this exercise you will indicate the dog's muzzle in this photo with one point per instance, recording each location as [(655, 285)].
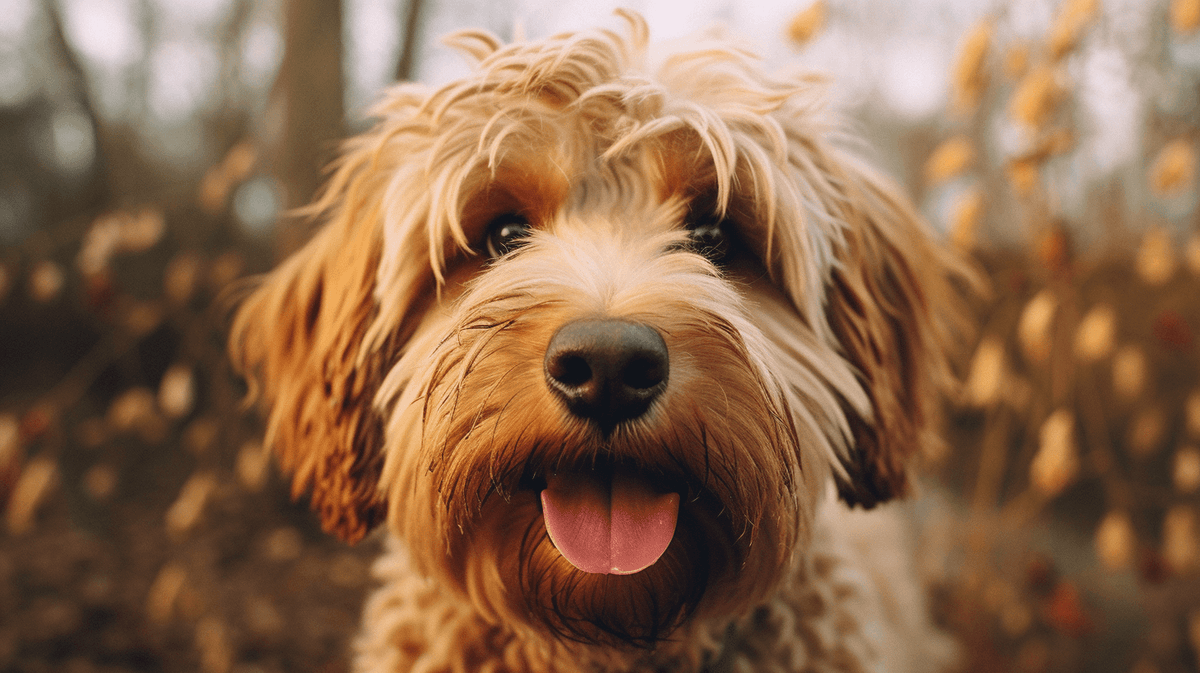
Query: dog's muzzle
[(606, 521)]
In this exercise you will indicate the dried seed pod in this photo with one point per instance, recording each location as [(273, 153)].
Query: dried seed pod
[(33, 486), (100, 481), (987, 373), (212, 641), (807, 23), (177, 391), (1096, 334), (1115, 540), (1181, 548), (46, 281), (964, 221), (1174, 169), (970, 73), (1054, 249), (185, 512), (11, 451), (1056, 463), (1156, 262), (1129, 372), (214, 191), (1036, 98), (1191, 411), (164, 592), (1016, 61), (1146, 432), (252, 462), (131, 409), (1023, 175), (1185, 472), (180, 278), (949, 159), (142, 317), (1185, 18), (1192, 253), (240, 161), (1073, 17), (100, 243), (1034, 326), (142, 230)]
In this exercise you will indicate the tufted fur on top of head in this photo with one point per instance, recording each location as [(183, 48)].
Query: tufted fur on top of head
[(867, 291)]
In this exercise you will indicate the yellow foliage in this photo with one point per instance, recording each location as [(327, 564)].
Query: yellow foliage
[(1191, 413), (1056, 462), (1115, 540), (38, 477), (950, 158), (807, 23), (1180, 544), (1036, 97), (1073, 17), (1185, 472), (1097, 332), (964, 222), (1023, 175), (1129, 372), (1174, 169), (987, 373), (970, 76), (1155, 261), (1034, 326), (1185, 15), (1146, 432), (1193, 253), (1016, 61)]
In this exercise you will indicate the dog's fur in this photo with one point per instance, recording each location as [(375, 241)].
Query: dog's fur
[(403, 366)]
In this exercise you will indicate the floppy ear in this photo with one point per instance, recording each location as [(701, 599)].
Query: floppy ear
[(893, 306), (298, 338)]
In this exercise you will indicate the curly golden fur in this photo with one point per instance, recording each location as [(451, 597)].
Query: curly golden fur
[(405, 372)]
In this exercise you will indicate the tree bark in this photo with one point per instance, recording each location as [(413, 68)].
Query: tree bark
[(406, 65), (309, 92)]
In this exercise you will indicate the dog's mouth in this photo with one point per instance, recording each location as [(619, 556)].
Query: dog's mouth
[(609, 521)]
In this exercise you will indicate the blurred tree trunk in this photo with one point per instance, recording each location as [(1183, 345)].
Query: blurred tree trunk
[(309, 92), (406, 65)]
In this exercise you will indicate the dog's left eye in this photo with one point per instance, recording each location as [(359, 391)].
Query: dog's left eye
[(506, 233), (709, 237)]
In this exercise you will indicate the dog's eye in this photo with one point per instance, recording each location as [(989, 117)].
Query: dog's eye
[(506, 233), (710, 237)]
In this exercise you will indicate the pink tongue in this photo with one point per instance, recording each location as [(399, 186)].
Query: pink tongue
[(620, 527)]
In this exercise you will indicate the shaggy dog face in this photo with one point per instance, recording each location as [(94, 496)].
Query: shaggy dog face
[(593, 277)]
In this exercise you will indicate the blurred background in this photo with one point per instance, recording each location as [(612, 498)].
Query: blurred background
[(149, 150)]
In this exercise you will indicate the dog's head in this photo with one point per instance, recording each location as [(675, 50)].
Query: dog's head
[(595, 327)]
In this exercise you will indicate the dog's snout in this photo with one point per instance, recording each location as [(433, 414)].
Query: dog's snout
[(607, 371)]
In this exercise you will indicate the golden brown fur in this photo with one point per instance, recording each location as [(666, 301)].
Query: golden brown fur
[(403, 369)]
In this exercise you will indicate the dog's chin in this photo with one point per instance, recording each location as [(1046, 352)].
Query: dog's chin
[(541, 588)]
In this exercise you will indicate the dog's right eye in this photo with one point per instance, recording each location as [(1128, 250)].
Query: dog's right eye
[(709, 236), (506, 233)]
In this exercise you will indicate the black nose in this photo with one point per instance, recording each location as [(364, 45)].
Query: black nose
[(607, 371)]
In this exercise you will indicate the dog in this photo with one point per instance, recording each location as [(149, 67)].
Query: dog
[(620, 343)]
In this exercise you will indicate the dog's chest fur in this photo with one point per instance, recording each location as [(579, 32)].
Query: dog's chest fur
[(838, 611)]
